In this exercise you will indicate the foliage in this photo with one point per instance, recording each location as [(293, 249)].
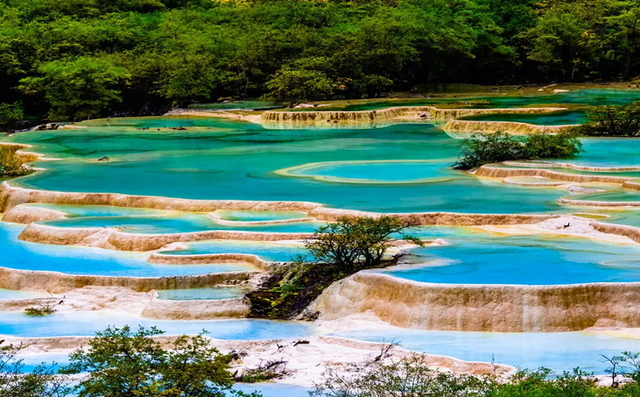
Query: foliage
[(46, 307), (72, 59), (11, 114), (122, 363), (412, 377), (77, 88), (10, 164), (265, 371), (409, 377), (335, 251), (354, 243), (15, 382), (612, 120), (483, 149), (291, 86)]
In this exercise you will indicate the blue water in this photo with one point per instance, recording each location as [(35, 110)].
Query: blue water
[(590, 97), (558, 351), (13, 294), (18, 254), (88, 323), (269, 251), (609, 152), (481, 258), (380, 172), (237, 161), (140, 220), (176, 223), (555, 118), (258, 216), (202, 293)]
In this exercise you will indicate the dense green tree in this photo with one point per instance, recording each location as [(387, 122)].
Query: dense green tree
[(482, 149), (11, 114), (16, 382), (137, 56), (123, 363), (612, 120), (77, 88)]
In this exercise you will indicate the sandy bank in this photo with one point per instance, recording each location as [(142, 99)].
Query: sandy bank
[(485, 308), (164, 259), (109, 238), (306, 361), (508, 127), (56, 282), (488, 171), (11, 196), (406, 113), (574, 226), (161, 309)]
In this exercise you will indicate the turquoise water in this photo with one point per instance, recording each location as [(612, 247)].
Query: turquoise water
[(617, 195), (202, 293), (237, 160), (591, 97), (176, 223), (556, 118), (236, 105), (259, 216), (482, 258), (274, 389), (269, 251), (380, 172), (97, 210), (22, 255), (88, 323), (609, 152), (13, 294), (558, 351)]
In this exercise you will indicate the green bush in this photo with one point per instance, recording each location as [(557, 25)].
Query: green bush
[(11, 114), (10, 164), (483, 149), (122, 363), (612, 120), (335, 251)]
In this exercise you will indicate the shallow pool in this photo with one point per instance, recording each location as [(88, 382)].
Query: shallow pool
[(22, 255), (13, 294), (88, 323), (474, 257), (555, 118), (238, 161), (272, 251), (558, 351), (202, 293)]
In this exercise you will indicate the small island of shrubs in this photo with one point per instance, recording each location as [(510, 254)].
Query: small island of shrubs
[(481, 149)]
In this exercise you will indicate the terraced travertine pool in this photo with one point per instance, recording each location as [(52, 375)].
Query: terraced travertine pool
[(394, 169)]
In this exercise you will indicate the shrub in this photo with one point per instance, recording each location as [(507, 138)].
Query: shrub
[(352, 243), (122, 363), (10, 164), (43, 309), (336, 251), (483, 149), (11, 114), (409, 377), (14, 381), (612, 120)]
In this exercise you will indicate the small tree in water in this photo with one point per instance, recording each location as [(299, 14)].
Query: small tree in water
[(335, 251), (353, 243), (612, 120)]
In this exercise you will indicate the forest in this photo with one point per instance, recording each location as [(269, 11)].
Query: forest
[(79, 59)]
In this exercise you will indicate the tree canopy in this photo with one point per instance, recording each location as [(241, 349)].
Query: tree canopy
[(73, 59)]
